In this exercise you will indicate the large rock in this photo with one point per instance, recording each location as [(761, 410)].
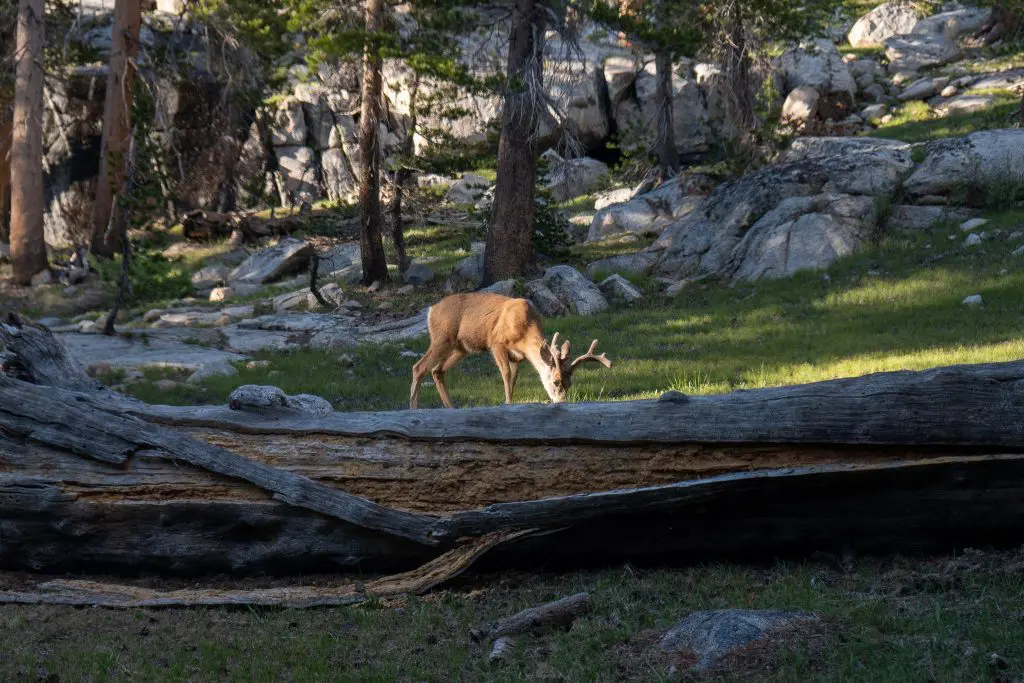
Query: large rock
[(339, 182), (801, 105), (640, 263), (922, 89), (970, 167), (690, 118), (289, 256), (340, 257), (471, 268), (715, 634), (826, 191), (210, 276), (954, 23), (468, 189), (574, 290), (289, 127), (1012, 79), (912, 217), (575, 177), (885, 21), (72, 132), (298, 174), (919, 51), (804, 233), (619, 288), (964, 104), (819, 65), (816, 147), (651, 212), (544, 300)]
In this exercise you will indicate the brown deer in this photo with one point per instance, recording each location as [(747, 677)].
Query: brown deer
[(464, 324)]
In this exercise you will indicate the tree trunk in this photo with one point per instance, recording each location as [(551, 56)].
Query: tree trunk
[(401, 176), (901, 461), (6, 133), (509, 250), (28, 248), (375, 267), (739, 85), (668, 157), (117, 125)]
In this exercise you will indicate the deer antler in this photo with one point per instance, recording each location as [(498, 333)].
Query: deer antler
[(589, 355)]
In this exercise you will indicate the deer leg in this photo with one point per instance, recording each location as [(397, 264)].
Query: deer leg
[(514, 374), (438, 374), (505, 368), (419, 371)]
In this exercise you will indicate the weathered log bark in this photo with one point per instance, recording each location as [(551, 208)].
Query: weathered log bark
[(92, 481), (537, 620)]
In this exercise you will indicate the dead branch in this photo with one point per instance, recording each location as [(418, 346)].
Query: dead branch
[(536, 620)]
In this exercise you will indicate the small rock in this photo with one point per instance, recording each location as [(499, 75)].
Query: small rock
[(1019, 251), (973, 300), (409, 354), (218, 294), (503, 287), (346, 360), (801, 105), (618, 287), (50, 322), (405, 289), (42, 278), (256, 364), (419, 274), (714, 634), (210, 276), (166, 384), (901, 77), (874, 111), (973, 240), (153, 315), (973, 223), (375, 287), (949, 91)]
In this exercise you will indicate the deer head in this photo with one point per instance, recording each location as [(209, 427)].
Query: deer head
[(557, 376)]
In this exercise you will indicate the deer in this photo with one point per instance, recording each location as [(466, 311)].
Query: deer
[(510, 328)]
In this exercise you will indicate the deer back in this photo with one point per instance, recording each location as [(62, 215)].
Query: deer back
[(481, 320)]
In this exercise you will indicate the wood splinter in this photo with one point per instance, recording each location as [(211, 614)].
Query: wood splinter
[(537, 620)]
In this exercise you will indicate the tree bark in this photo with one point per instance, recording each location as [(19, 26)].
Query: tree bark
[(375, 267), (117, 125), (739, 86), (509, 250), (28, 248), (6, 133), (401, 176), (668, 157)]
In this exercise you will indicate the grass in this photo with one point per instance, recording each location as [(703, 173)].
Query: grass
[(895, 306), (917, 122), (892, 620)]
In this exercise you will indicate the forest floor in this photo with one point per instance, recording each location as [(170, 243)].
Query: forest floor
[(956, 618)]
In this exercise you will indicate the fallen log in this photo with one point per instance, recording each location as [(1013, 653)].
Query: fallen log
[(206, 226), (909, 461), (536, 620)]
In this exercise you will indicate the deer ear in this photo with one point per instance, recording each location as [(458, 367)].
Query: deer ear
[(545, 354)]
